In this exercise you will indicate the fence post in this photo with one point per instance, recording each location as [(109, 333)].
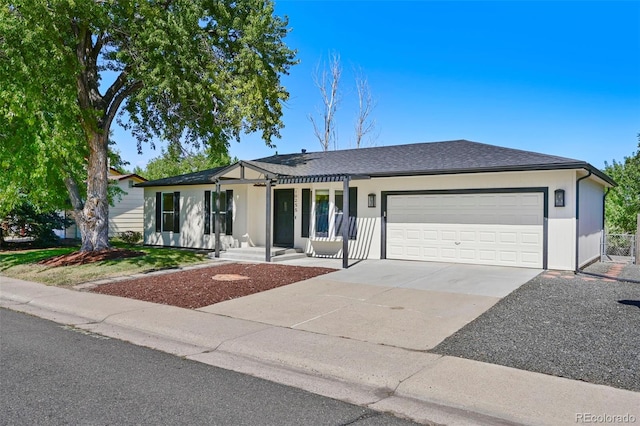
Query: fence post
[(638, 241)]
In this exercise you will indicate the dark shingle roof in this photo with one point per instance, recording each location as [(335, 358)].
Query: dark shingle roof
[(195, 178), (421, 157), (460, 156)]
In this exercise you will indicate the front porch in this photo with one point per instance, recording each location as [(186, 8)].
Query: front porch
[(284, 217)]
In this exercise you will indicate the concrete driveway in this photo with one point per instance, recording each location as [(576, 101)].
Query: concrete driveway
[(413, 305)]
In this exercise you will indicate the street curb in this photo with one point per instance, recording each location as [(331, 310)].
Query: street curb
[(429, 388), (380, 399)]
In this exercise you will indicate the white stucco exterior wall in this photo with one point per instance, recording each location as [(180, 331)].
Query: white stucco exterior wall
[(250, 217), (590, 221), (191, 216), (561, 220)]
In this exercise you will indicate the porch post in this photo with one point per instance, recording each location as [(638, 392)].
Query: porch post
[(217, 219), (345, 222), (267, 250)]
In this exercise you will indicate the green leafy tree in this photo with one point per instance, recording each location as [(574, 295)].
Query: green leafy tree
[(623, 201), (175, 161), (26, 220), (198, 72)]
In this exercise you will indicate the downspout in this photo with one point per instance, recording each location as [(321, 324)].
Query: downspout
[(577, 270), (604, 200)]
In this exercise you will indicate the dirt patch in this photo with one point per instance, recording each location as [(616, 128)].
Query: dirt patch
[(82, 257), (229, 277), (202, 287)]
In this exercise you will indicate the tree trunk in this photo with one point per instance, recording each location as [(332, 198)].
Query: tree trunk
[(92, 218)]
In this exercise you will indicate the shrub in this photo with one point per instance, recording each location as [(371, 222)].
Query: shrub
[(130, 237)]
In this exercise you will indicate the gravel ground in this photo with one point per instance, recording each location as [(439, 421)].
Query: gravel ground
[(581, 328), (631, 272), (205, 286)]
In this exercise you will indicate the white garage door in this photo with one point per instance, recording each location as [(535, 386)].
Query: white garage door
[(481, 228)]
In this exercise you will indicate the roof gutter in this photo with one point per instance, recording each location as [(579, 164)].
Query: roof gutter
[(577, 270), (535, 167)]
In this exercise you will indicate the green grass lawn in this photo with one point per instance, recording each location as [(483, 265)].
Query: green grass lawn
[(22, 264)]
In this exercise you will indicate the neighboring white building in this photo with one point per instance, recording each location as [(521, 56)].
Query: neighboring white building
[(127, 213), (456, 201)]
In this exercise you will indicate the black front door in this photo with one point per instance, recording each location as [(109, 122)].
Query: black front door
[(283, 217)]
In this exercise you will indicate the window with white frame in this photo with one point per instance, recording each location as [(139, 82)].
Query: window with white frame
[(327, 214), (168, 211), (226, 212), (322, 213)]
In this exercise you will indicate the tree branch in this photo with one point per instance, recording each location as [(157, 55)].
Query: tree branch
[(115, 87), (74, 193), (100, 42), (117, 101)]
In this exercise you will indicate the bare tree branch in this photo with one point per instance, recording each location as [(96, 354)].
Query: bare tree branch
[(327, 81), (366, 103)]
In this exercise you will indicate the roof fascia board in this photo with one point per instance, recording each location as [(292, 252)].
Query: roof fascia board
[(131, 176), (255, 168), (542, 167), (158, 185), (232, 181)]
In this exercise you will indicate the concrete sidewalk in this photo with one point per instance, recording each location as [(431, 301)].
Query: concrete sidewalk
[(415, 384)]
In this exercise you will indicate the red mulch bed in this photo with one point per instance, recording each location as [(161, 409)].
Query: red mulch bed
[(82, 257), (202, 287)]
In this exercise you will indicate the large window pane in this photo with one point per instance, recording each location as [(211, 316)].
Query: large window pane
[(167, 202), (339, 216), (322, 213), (224, 209), (167, 212)]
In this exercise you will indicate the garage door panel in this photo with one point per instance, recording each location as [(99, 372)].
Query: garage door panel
[(531, 238), (430, 235), (508, 237), (468, 254), (530, 200), (448, 235), (413, 251), (487, 237), (430, 252), (492, 229), (468, 236), (508, 256), (487, 255), (531, 258), (413, 234), (448, 253)]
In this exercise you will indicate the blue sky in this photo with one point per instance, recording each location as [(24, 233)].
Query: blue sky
[(561, 78)]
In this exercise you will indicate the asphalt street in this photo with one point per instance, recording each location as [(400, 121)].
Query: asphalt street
[(55, 374)]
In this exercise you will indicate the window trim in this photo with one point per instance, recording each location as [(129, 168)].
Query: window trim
[(332, 233), (175, 212), (353, 212), (226, 212)]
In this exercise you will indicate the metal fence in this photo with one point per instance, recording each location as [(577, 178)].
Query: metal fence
[(618, 248)]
